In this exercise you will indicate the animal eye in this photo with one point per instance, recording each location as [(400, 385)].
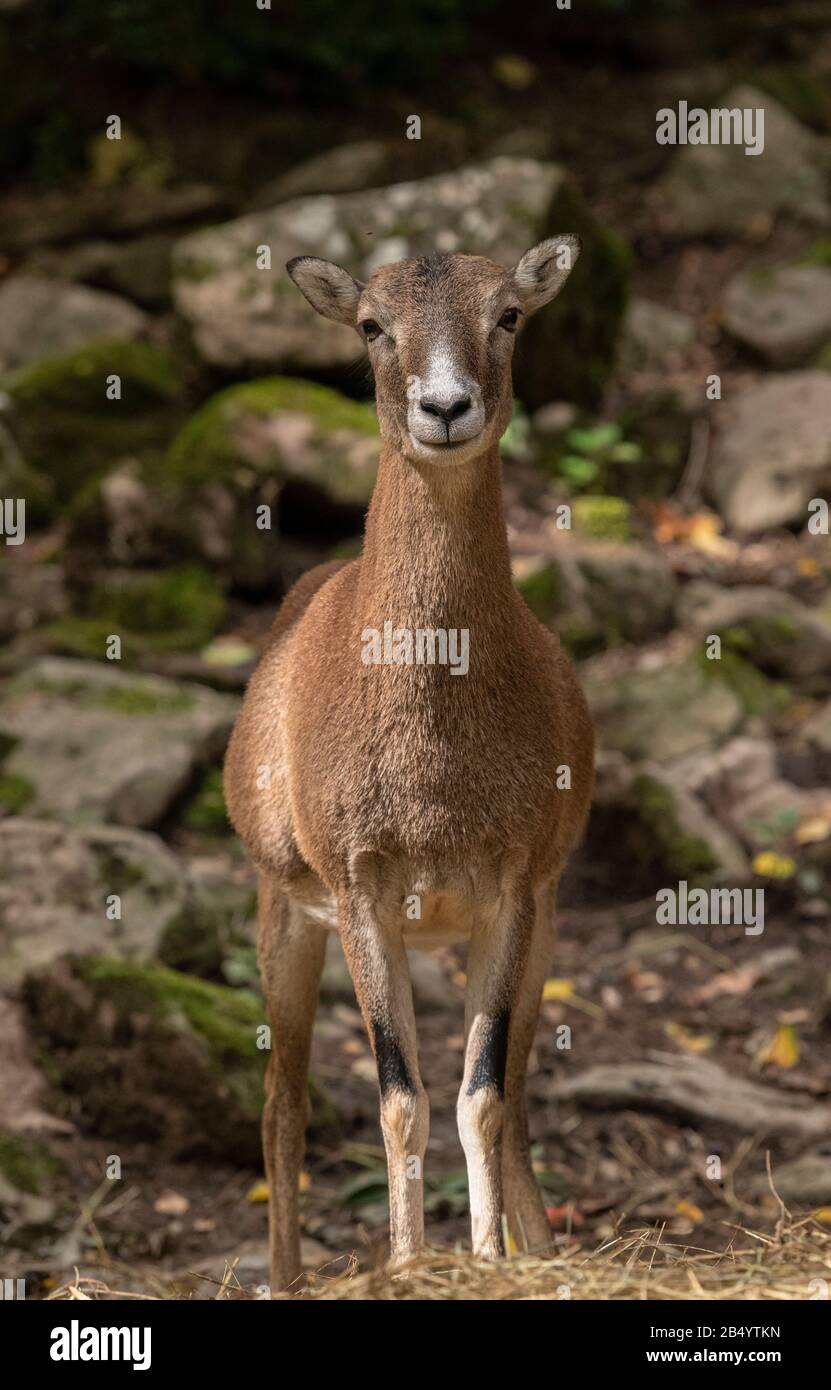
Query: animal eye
[(509, 319), (370, 329)]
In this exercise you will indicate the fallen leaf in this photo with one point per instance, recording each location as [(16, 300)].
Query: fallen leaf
[(823, 1215), (564, 1217), (557, 989), (690, 1210), (171, 1203), (304, 1182), (769, 864), (259, 1192), (783, 1049), (688, 1042)]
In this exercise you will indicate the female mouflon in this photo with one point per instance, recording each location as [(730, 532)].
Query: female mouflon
[(413, 760)]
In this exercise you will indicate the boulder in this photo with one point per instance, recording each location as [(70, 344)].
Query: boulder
[(154, 612), (243, 316), (653, 337), (784, 315), (771, 453), (54, 884), (98, 744), (60, 414), (718, 190), (205, 497), (139, 268), (42, 318), (661, 714), (145, 1052), (344, 169), (767, 627), (29, 595), (595, 594)]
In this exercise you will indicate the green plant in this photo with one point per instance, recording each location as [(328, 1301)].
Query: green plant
[(591, 451)]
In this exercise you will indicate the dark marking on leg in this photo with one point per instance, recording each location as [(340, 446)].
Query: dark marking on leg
[(489, 1067), (392, 1068)]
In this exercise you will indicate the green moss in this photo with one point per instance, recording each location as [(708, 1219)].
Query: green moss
[(206, 812), (677, 854), (74, 379), (180, 608), (818, 253), (15, 792), (26, 1163), (123, 699), (66, 426), (756, 693), (542, 591), (804, 94), (204, 448), (228, 1019), (602, 518)]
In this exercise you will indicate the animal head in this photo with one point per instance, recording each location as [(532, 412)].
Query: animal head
[(440, 334)]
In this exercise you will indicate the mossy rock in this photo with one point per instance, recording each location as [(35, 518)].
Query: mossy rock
[(756, 693), (26, 1163), (146, 1052), (804, 94), (567, 351), (65, 425), (206, 811), (15, 792), (658, 837), (602, 518), (210, 447)]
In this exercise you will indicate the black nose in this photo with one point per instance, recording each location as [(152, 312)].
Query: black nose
[(447, 412)]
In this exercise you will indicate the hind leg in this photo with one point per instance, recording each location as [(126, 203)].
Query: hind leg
[(290, 950), (523, 1199)]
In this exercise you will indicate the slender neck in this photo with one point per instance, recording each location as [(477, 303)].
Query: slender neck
[(435, 551)]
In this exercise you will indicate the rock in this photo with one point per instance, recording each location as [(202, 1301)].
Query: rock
[(806, 1181), (29, 595), (215, 494), (718, 190), (27, 1175), (770, 628), (30, 220), (139, 269), (17, 479), (783, 314), (54, 884), (345, 169), (59, 412), (243, 316), (643, 817), (99, 744), (652, 336), (662, 714), (809, 753), (142, 1051), (557, 417), (728, 774), (596, 594), (155, 613), (772, 451), (41, 318), (602, 518)]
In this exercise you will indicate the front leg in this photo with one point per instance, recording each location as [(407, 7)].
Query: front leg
[(496, 962), (373, 943)]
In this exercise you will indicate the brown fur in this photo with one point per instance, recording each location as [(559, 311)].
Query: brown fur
[(393, 780)]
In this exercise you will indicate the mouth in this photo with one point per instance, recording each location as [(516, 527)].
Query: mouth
[(447, 451)]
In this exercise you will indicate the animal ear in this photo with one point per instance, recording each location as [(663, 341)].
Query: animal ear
[(543, 270), (329, 288)]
